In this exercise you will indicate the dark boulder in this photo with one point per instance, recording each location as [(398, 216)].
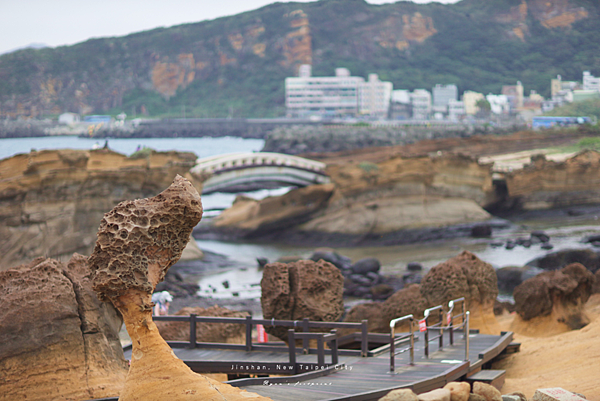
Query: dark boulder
[(339, 261), (560, 259), (414, 267), (540, 236), (365, 266), (511, 276), (481, 231)]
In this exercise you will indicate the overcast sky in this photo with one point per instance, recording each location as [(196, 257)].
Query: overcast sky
[(65, 22)]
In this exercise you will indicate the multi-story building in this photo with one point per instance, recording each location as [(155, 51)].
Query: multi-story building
[(336, 96), (558, 85), (456, 110), (400, 107), (590, 82), (442, 95), (374, 97), (499, 104), (421, 104), (339, 96), (514, 93), (470, 100)]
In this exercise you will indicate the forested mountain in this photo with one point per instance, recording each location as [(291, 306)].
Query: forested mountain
[(236, 66)]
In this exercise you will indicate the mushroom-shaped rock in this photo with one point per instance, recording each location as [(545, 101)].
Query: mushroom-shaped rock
[(137, 243), (556, 296), (465, 275)]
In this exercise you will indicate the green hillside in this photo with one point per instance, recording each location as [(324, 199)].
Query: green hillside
[(235, 66)]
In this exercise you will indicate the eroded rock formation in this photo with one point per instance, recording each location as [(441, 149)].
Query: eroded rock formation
[(464, 275), (137, 243), (546, 184), (553, 301), (373, 200), (205, 332), (302, 289), (57, 341), (52, 201)]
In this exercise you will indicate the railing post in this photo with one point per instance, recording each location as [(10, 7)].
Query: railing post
[(451, 328), (412, 342), (393, 350), (334, 348), (441, 344), (248, 333), (467, 336), (426, 336), (192, 330), (364, 340), (305, 341), (321, 351), (292, 348)]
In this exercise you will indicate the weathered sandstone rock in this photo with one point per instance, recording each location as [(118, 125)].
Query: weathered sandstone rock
[(487, 391), (546, 184), (52, 201), (555, 296), (400, 395), (205, 332), (439, 394), (137, 243), (464, 275), (388, 198), (459, 390), (302, 289), (57, 340)]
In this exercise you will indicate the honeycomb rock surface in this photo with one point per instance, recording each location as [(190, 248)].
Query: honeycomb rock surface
[(138, 235), (302, 289)]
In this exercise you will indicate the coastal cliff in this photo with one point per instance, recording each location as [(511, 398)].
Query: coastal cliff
[(235, 66), (51, 201)]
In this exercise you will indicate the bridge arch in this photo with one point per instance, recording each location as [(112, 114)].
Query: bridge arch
[(249, 171)]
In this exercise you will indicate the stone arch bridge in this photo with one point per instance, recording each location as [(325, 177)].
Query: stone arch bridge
[(235, 172)]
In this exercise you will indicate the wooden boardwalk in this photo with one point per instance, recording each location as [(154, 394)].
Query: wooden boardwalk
[(353, 378)]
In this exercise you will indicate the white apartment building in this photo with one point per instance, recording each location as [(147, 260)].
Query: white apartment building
[(470, 100), (336, 96), (442, 95), (499, 104), (456, 110), (374, 97), (339, 96), (421, 104), (590, 82)]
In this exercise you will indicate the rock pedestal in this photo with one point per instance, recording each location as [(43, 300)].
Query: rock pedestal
[(57, 340)]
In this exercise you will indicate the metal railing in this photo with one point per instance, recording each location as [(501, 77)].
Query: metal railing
[(464, 315), (437, 326), (394, 340)]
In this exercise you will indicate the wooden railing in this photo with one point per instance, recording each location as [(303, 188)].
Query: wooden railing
[(305, 325)]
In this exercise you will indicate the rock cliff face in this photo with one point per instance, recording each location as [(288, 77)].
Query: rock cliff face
[(52, 201), (58, 342), (545, 184), (373, 199)]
